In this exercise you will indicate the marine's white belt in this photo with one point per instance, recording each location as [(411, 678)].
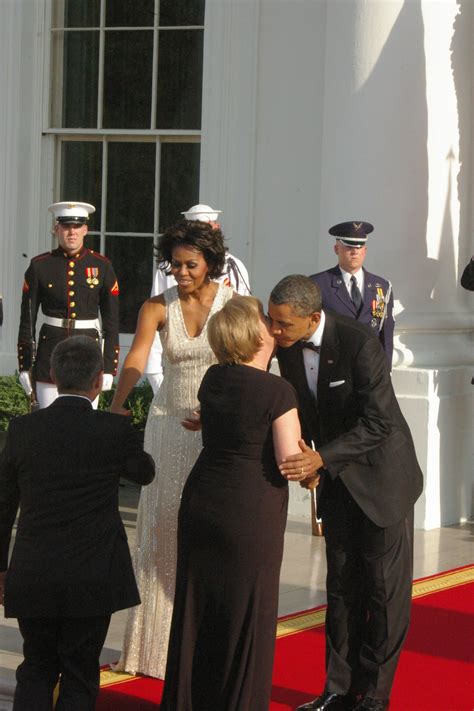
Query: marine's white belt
[(72, 323)]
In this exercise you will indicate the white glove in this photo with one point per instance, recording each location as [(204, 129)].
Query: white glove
[(107, 381), (25, 382), (155, 380)]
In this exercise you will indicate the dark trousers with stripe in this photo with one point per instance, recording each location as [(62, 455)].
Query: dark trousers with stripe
[(369, 585), (60, 649)]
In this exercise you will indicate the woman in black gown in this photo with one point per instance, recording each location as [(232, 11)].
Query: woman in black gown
[(231, 525)]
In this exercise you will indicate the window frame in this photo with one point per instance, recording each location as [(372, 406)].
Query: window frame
[(56, 135)]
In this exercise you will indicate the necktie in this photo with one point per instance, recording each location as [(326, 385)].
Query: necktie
[(311, 346), (356, 297)]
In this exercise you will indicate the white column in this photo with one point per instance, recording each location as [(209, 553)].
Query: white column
[(228, 121), (396, 152), (24, 222)]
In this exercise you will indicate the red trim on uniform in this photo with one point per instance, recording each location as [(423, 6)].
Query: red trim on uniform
[(99, 255), (25, 286), (115, 289), (39, 257)]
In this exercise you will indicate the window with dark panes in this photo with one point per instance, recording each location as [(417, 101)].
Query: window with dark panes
[(126, 99)]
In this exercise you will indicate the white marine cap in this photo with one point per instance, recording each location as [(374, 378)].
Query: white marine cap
[(203, 213), (68, 212)]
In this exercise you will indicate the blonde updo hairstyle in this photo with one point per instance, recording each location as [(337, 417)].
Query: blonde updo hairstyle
[(234, 331)]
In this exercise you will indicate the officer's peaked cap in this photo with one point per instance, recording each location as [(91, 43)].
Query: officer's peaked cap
[(69, 212), (352, 234)]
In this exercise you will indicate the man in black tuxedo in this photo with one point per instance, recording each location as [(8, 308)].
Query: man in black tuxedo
[(369, 482), (467, 278), (70, 567)]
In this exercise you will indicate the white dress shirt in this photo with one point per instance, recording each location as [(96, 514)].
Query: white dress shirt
[(360, 281), (311, 358)]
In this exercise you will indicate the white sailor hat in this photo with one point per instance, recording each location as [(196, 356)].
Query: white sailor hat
[(68, 212), (352, 234), (203, 213)]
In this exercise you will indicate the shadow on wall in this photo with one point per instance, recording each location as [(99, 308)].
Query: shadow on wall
[(396, 155), (461, 499), (400, 76), (397, 148), (459, 46)]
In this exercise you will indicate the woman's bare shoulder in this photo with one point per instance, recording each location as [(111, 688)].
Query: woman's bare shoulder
[(155, 300), (153, 311)]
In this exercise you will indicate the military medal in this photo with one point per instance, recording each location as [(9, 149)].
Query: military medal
[(92, 273), (378, 304)]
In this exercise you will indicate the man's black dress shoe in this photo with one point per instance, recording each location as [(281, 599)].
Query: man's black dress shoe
[(327, 702), (369, 704)]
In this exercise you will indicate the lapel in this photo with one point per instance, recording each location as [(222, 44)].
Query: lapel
[(328, 357), (340, 291)]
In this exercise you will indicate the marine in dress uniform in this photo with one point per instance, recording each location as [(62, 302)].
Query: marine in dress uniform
[(370, 299), (235, 275), (73, 285), (70, 566)]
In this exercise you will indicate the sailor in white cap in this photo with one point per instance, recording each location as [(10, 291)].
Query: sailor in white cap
[(235, 275), (73, 285)]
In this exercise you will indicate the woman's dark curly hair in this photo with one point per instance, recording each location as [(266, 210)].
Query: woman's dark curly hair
[(198, 235)]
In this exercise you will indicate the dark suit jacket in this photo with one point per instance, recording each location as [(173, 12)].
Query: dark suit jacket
[(467, 278), (62, 466), (357, 425), (336, 298)]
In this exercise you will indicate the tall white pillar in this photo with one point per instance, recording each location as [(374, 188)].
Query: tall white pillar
[(396, 153), (22, 190)]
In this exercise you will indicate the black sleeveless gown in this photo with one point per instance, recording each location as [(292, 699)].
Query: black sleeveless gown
[(230, 544)]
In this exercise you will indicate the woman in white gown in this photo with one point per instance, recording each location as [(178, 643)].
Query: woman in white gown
[(195, 253)]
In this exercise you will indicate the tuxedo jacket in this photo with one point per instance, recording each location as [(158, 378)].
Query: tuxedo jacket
[(356, 422), (61, 466), (467, 278), (377, 294)]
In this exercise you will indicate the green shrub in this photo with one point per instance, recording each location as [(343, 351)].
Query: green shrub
[(13, 402)]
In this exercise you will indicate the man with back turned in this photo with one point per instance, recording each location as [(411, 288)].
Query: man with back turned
[(70, 567)]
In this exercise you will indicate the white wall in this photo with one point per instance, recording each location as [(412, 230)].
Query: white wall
[(361, 110), (24, 230), (315, 111)]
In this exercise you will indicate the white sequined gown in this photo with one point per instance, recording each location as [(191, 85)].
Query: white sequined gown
[(175, 451)]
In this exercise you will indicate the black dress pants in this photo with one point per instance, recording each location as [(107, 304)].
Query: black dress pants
[(65, 649), (369, 585)]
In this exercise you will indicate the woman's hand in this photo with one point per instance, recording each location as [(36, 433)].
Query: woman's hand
[(120, 410), (193, 423)]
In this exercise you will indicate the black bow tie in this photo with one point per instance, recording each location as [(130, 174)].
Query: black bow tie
[(311, 346)]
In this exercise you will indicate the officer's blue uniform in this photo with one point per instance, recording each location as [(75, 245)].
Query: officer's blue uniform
[(372, 314)]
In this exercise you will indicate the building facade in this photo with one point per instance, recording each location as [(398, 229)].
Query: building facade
[(288, 115)]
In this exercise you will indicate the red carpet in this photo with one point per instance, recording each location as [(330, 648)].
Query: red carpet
[(435, 671)]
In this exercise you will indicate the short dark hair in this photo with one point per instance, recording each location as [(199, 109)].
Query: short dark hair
[(76, 362), (203, 236), (303, 295)]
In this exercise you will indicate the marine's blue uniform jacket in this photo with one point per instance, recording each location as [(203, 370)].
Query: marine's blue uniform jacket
[(377, 308)]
